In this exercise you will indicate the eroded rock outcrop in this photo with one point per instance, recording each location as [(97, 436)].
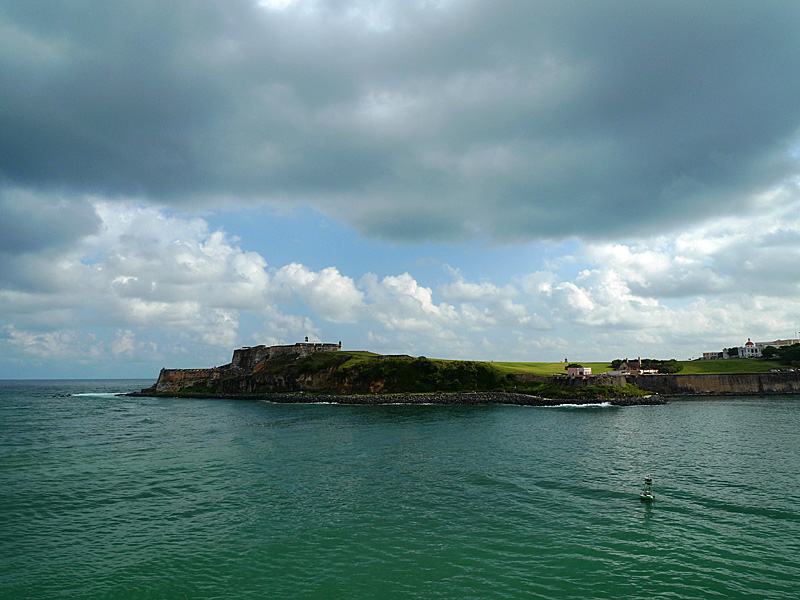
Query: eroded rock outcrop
[(236, 375)]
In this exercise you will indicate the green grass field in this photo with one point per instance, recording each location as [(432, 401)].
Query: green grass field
[(546, 368), (690, 367), (730, 365)]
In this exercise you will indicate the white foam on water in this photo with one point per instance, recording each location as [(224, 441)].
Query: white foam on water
[(596, 405)]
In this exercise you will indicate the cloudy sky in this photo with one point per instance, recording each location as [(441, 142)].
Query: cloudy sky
[(451, 178)]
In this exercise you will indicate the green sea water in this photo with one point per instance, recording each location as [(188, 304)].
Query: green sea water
[(113, 497)]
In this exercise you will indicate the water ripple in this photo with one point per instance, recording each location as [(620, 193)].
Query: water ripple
[(105, 497)]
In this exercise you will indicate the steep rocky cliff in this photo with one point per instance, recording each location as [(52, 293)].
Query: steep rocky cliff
[(237, 374)]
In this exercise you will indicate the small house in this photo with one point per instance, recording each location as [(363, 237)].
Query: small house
[(579, 371)]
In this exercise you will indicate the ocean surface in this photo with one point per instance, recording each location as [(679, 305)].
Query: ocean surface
[(112, 497)]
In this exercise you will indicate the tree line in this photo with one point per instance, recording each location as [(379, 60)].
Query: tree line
[(787, 355), (662, 366)]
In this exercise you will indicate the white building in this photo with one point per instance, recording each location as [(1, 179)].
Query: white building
[(750, 349), (779, 343), (579, 371)]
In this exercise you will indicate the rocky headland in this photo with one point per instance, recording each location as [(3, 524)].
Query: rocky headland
[(307, 372)]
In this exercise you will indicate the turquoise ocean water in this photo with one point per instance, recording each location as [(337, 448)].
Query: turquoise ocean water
[(110, 497)]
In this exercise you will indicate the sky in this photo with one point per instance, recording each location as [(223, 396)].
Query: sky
[(510, 181)]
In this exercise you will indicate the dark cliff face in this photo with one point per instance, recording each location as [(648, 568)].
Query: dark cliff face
[(280, 367), (277, 382)]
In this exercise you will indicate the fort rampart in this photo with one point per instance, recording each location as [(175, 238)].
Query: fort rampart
[(245, 361), (687, 385), (563, 380), (719, 384)]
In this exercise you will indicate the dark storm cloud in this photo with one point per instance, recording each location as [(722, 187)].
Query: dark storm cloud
[(512, 120), (31, 223)]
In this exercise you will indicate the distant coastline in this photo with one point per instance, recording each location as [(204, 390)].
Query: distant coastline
[(315, 372), (310, 372)]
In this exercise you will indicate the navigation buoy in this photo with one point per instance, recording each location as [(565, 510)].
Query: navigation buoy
[(646, 494)]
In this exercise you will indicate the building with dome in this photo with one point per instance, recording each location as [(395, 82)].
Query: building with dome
[(749, 350)]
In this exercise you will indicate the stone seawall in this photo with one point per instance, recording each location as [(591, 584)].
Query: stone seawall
[(463, 398), (719, 384), (577, 382), (173, 380)]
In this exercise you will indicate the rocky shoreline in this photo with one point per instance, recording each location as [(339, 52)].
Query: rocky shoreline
[(460, 398)]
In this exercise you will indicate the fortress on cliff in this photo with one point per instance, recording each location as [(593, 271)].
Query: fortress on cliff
[(245, 361)]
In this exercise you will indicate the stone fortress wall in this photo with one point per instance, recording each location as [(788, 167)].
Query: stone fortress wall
[(245, 361), (721, 384), (733, 384)]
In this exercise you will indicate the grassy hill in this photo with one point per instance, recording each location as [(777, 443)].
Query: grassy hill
[(546, 368), (690, 367), (364, 372), (407, 374), (729, 365), (349, 372)]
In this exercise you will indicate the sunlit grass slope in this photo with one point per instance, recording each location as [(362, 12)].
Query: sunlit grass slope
[(690, 367), (730, 365), (547, 368)]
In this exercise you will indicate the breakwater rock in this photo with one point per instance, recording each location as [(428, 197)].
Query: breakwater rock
[(461, 398)]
